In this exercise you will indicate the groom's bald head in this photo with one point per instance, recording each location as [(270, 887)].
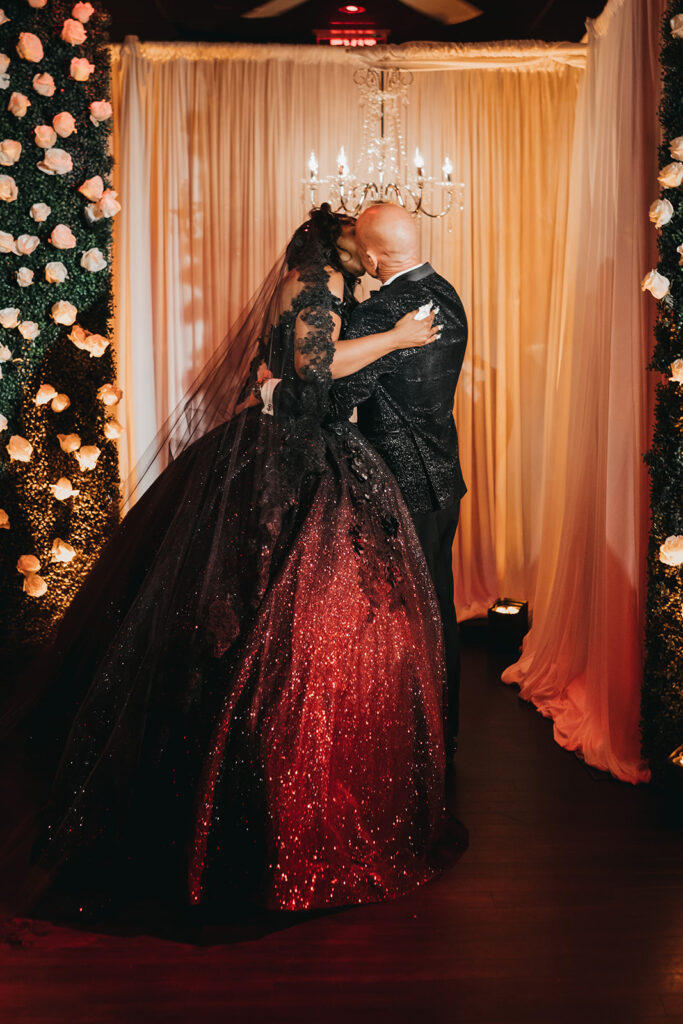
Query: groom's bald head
[(387, 239)]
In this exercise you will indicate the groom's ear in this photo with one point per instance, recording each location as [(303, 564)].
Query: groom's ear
[(369, 261)]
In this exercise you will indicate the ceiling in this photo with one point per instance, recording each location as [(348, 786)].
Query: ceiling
[(220, 20)]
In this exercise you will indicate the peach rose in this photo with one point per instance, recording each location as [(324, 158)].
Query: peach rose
[(655, 283), (29, 330), (30, 47), (4, 63), (18, 104), (83, 11), (63, 489), (7, 242), (64, 124), (5, 354), (24, 277), (81, 69), (108, 204), (20, 450), (61, 551), (60, 402), (45, 135), (100, 110), (44, 84), (37, 3), (69, 442), (64, 312), (10, 151), (677, 371), (3, 423), (62, 237), (96, 345), (9, 317), (27, 564), (677, 26), (4, 520), (55, 272), (92, 188), (87, 457), (93, 260), (112, 430), (56, 161), (3, 18), (26, 244), (8, 188), (34, 585), (110, 394), (40, 212), (93, 213), (671, 176), (73, 32), (45, 394), (671, 551)]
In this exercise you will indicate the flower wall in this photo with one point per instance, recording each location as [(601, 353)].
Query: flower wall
[(58, 427), (662, 700)]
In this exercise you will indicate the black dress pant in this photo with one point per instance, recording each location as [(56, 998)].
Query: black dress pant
[(436, 531)]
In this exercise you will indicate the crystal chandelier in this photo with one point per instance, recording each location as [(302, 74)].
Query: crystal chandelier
[(383, 175)]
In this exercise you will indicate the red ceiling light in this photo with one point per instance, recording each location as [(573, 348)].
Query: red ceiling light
[(351, 9)]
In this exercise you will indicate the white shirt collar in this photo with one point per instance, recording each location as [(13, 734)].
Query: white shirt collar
[(406, 271)]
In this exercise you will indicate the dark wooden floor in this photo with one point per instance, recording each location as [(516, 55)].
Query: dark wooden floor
[(568, 906)]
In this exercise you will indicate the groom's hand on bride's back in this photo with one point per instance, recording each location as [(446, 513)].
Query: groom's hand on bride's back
[(410, 332)]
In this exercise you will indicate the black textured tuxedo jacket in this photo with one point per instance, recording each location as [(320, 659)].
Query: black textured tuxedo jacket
[(405, 399)]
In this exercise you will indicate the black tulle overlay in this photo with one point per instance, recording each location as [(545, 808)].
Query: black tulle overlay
[(247, 694)]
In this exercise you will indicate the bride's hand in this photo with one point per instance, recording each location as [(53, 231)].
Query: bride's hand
[(412, 333)]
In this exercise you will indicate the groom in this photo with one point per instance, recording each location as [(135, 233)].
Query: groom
[(405, 404)]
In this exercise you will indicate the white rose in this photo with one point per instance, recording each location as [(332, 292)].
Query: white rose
[(87, 457), (677, 371), (671, 176), (44, 84), (677, 26), (34, 585), (24, 277), (4, 520), (30, 47), (661, 212), (4, 63), (56, 161), (110, 394), (83, 11), (26, 244), (100, 110), (69, 442), (5, 354), (73, 32), (93, 213), (7, 242), (112, 430), (55, 272), (40, 212), (64, 312), (671, 551), (20, 450), (28, 564), (63, 489), (18, 104), (29, 330), (108, 204), (93, 260), (61, 551), (9, 317), (62, 237), (60, 402), (655, 283), (92, 188), (8, 188), (79, 336), (81, 69), (3, 423), (3, 18), (10, 151), (64, 124), (45, 394), (45, 135), (96, 345)]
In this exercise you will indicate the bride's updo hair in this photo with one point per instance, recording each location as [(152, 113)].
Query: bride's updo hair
[(315, 241)]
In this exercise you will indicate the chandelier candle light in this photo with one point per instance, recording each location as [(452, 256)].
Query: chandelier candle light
[(383, 176)]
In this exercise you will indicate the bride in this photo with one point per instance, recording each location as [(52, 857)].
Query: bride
[(245, 697)]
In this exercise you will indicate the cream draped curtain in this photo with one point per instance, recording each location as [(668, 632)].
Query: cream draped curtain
[(211, 142)]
